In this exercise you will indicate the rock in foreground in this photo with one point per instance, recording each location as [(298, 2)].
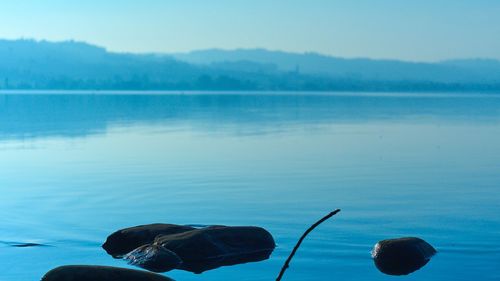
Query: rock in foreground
[(402, 256), (126, 240), (198, 249), (100, 273)]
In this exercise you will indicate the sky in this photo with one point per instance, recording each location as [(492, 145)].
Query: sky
[(418, 30)]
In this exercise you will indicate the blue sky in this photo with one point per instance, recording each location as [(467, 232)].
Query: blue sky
[(410, 30)]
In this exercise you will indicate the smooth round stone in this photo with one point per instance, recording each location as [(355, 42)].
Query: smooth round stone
[(100, 273), (123, 241), (402, 256), (163, 247), (205, 249)]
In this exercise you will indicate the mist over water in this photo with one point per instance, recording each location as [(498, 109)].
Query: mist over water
[(76, 167)]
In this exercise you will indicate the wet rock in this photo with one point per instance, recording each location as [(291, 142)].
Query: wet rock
[(402, 256), (201, 249), (125, 240), (100, 273), (154, 258)]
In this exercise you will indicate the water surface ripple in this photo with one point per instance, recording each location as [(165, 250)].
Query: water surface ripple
[(75, 167)]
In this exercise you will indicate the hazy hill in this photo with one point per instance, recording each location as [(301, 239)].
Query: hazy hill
[(29, 64), (457, 71)]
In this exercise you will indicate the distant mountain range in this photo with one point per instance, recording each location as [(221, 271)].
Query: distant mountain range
[(29, 64)]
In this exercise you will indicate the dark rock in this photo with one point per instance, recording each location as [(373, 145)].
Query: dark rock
[(100, 273), (201, 249), (402, 256), (154, 258), (125, 240)]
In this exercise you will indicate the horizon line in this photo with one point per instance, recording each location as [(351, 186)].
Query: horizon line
[(310, 52)]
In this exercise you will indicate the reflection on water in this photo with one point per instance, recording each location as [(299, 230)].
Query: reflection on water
[(75, 168), (35, 115)]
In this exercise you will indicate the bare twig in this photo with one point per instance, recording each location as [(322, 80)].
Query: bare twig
[(287, 262)]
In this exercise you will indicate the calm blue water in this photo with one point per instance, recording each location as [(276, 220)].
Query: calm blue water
[(76, 167)]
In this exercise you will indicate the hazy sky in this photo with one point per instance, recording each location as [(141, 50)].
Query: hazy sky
[(410, 30)]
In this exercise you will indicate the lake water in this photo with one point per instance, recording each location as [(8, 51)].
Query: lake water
[(76, 167)]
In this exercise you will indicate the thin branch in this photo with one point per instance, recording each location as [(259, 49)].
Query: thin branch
[(287, 262)]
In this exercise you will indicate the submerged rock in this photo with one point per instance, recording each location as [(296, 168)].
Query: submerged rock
[(402, 256), (197, 249), (100, 273), (22, 244)]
